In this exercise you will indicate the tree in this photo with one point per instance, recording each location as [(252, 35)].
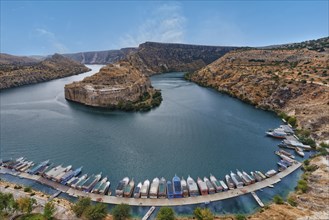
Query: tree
[(7, 202), (96, 212), (278, 199), (49, 210), (166, 213), (82, 204), (25, 204), (121, 212), (240, 217), (203, 214)]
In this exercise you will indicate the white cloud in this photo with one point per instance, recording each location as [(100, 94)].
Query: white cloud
[(52, 40), (166, 24)]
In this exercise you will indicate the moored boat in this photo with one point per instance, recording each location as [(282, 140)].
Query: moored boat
[(154, 188), (229, 182), (256, 176), (225, 187), (299, 151), (277, 134), (177, 187), (137, 193), (287, 154), (211, 188), (104, 188), (170, 190), (184, 187), (145, 189), (244, 178), (238, 183), (270, 173), (202, 187), (252, 179), (80, 180), (261, 174), (121, 185), (98, 185), (215, 183), (192, 187), (129, 188), (162, 188), (89, 185)]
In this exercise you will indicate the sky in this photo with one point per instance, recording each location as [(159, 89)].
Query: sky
[(47, 27)]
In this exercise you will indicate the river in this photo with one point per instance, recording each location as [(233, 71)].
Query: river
[(195, 131)]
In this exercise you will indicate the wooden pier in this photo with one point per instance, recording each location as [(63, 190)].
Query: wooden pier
[(165, 202), (260, 203)]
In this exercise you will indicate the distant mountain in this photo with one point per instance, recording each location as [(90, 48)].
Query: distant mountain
[(318, 45), (17, 71), (100, 57), (151, 57), (7, 59)]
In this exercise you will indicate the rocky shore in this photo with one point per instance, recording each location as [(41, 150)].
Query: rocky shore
[(115, 86), (18, 71), (290, 81)]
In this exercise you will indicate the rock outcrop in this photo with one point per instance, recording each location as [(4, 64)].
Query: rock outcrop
[(293, 81), (115, 86), (152, 58), (18, 71), (101, 57)]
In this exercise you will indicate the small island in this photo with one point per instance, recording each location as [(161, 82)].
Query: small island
[(116, 86)]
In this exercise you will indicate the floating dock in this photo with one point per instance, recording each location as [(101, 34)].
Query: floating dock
[(260, 203), (148, 213), (161, 202)]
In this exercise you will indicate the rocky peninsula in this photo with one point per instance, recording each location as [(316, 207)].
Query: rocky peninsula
[(17, 71), (115, 86)]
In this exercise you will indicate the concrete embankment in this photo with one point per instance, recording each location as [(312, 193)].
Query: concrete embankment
[(164, 202)]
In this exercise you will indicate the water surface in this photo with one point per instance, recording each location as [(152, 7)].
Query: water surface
[(195, 131)]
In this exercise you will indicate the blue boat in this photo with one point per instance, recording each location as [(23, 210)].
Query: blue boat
[(170, 192), (69, 175), (178, 193)]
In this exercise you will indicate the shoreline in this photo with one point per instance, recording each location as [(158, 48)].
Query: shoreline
[(159, 202)]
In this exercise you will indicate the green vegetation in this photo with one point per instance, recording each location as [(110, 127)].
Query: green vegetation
[(34, 216), (302, 186), (96, 212), (7, 204), (292, 201), (84, 208), (166, 213), (290, 119), (278, 199), (25, 204), (145, 103), (82, 204), (304, 137), (121, 212), (240, 217), (28, 189), (203, 214), (49, 210)]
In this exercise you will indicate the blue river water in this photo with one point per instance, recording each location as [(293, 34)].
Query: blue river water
[(195, 131)]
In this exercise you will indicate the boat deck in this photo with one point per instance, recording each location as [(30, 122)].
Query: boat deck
[(165, 202)]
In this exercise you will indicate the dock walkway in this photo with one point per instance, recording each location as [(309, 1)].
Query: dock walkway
[(260, 203), (166, 202)]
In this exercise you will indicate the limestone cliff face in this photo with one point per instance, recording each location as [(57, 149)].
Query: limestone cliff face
[(115, 86), (101, 57), (152, 58), (292, 81), (18, 71)]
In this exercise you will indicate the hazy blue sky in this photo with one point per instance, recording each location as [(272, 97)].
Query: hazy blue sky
[(46, 27)]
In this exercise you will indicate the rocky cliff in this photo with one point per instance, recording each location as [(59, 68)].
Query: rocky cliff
[(18, 71), (115, 86), (100, 57), (152, 57), (293, 81)]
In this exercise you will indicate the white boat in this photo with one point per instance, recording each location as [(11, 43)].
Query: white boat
[(270, 173), (145, 189), (223, 185), (299, 151), (154, 188), (192, 187)]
